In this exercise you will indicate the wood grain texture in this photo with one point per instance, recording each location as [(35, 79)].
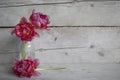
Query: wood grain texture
[(88, 53), (68, 45), (103, 13), (84, 71), (18, 2)]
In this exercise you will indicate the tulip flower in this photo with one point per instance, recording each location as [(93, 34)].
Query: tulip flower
[(39, 20)]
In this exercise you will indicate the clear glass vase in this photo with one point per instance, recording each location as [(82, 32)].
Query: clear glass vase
[(26, 50)]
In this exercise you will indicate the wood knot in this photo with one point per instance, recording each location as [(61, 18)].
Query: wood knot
[(101, 54)]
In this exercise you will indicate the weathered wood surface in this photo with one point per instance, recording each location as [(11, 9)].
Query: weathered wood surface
[(67, 13), (17, 2), (82, 71), (88, 53), (68, 45)]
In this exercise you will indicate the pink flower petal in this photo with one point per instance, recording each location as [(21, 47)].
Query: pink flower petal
[(25, 30), (39, 20), (26, 68)]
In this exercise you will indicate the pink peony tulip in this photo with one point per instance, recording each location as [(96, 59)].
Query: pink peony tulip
[(25, 30), (26, 68), (39, 20)]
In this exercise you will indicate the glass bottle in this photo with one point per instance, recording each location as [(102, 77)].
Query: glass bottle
[(26, 50)]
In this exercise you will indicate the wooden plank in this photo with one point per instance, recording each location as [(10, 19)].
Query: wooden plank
[(68, 45), (79, 37), (71, 14), (84, 71), (79, 44), (88, 53), (18, 2), (67, 37), (69, 56), (79, 55)]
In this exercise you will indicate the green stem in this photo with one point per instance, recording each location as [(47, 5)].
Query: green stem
[(24, 54), (39, 69)]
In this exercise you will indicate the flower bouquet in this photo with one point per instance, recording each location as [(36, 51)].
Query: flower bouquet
[(27, 64)]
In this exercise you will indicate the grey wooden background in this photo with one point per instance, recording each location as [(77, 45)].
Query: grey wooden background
[(84, 38)]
